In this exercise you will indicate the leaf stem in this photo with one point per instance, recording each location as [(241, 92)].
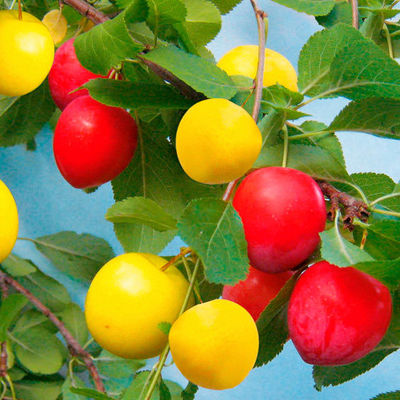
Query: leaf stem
[(385, 212), (389, 40), (387, 196), (165, 352), (308, 135), (73, 345), (189, 274), (19, 10), (4, 391), (11, 386), (12, 5), (285, 146)]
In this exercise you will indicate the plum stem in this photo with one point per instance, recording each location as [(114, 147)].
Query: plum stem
[(165, 352)]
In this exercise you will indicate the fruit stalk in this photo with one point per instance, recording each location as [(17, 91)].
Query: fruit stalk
[(73, 346), (165, 352)]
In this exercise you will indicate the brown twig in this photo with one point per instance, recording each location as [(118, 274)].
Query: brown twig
[(260, 17), (354, 12), (354, 208), (87, 10), (74, 347), (3, 354)]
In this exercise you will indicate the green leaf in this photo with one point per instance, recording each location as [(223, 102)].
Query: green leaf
[(377, 116), (74, 320), (164, 391), (190, 391), (21, 118), (112, 366), (208, 291), (164, 12), (280, 96), (79, 256), (32, 318), (16, 373), (340, 13), (389, 229), (91, 393), (109, 43), (329, 142), (50, 292), (134, 391), (141, 210), (66, 392), (374, 185), (132, 95), (387, 272), (17, 266), (318, 54), (201, 74), (388, 396), (272, 324), (377, 246), (214, 230), (333, 376), (312, 7), (225, 6), (371, 28), (270, 126), (175, 390), (363, 70), (10, 308), (38, 350), (38, 390), (165, 327), (157, 179), (313, 160), (337, 250), (202, 23)]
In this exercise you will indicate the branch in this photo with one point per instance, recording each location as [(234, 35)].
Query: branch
[(260, 17), (354, 12), (87, 10), (354, 208), (3, 354), (74, 347)]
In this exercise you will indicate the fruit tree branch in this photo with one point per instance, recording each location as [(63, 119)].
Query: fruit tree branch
[(74, 347), (87, 10), (3, 354), (260, 17), (354, 12), (354, 208)]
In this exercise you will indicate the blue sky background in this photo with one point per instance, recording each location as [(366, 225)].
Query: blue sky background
[(47, 204)]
